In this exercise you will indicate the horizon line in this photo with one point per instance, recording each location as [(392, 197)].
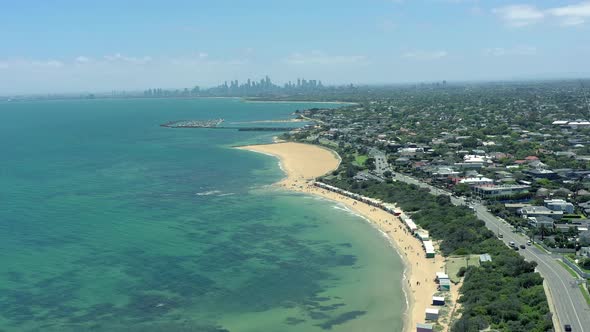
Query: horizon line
[(582, 77)]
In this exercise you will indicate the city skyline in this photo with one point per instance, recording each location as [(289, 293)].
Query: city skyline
[(67, 46)]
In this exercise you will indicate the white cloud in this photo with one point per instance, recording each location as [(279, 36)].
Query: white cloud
[(21, 63), (82, 59), (519, 50), (572, 14), (570, 21), (519, 15), (425, 55), (578, 10), (525, 15), (203, 59), (47, 63), (321, 58), (123, 58)]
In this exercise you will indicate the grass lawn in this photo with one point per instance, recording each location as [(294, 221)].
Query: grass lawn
[(454, 263), (360, 160), (570, 257), (569, 269), (328, 143), (585, 293), (540, 247)]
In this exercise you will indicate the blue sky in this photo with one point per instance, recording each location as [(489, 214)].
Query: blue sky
[(73, 46)]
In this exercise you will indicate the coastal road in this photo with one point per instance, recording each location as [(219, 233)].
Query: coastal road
[(569, 304), (381, 164)]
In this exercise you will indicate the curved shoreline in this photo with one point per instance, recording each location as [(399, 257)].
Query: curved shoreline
[(302, 163)]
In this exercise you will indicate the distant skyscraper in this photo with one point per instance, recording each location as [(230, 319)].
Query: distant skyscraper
[(267, 81)]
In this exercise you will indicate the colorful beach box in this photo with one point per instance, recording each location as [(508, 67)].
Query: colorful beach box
[(420, 327)]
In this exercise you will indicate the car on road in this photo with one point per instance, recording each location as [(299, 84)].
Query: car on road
[(567, 328), (528, 243), (522, 246), (500, 236), (515, 248)]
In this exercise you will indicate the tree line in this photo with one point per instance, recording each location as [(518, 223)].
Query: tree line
[(504, 294)]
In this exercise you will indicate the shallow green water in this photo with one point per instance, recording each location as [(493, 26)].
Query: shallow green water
[(109, 222)]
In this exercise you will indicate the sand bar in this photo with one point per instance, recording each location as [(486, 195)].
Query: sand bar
[(302, 163)]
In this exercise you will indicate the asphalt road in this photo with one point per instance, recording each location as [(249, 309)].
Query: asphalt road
[(381, 164), (569, 303)]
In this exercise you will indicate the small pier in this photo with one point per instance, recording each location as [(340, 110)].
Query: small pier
[(215, 124), (193, 123)]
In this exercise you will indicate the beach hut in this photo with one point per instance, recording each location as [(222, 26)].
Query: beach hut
[(431, 314), (429, 247), (444, 285), (411, 225), (389, 207), (438, 300), (423, 235), (441, 275), (421, 327)]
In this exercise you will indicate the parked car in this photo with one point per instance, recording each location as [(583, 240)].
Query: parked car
[(522, 246), (567, 328)]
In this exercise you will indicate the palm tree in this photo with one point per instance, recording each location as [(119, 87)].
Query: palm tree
[(543, 229)]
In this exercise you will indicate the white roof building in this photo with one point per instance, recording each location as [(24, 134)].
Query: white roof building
[(474, 159), (476, 181), (429, 248), (560, 122)]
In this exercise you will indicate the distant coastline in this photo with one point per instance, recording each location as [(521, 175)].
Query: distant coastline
[(241, 99), (336, 102)]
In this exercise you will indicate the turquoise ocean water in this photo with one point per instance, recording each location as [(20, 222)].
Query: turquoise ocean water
[(109, 222)]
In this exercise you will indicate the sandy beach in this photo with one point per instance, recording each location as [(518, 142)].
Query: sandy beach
[(302, 163), (299, 101)]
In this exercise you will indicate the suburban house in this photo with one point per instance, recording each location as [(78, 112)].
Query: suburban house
[(487, 191), (539, 211), (541, 221), (476, 181), (540, 173), (559, 205)]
